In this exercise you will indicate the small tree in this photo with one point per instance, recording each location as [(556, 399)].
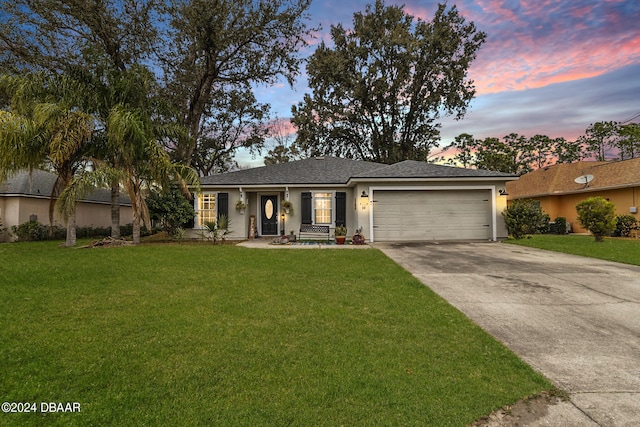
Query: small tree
[(170, 208), (597, 215), (524, 217)]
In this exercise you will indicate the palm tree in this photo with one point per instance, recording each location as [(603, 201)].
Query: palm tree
[(142, 164), (107, 88), (43, 129)]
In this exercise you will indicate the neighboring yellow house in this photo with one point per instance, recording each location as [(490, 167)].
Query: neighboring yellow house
[(556, 189), (25, 196)]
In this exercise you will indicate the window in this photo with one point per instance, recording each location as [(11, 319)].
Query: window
[(322, 208), (206, 208)]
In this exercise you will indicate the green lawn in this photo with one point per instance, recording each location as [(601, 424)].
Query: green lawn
[(612, 249), (170, 334)]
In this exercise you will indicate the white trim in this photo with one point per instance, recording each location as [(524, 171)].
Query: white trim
[(354, 181), (332, 222), (274, 187), (196, 217), (436, 180), (492, 188)]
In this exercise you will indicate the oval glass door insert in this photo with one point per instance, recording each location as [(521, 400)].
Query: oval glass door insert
[(268, 209)]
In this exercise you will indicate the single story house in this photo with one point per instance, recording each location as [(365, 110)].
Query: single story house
[(559, 188), (406, 201), (25, 196)]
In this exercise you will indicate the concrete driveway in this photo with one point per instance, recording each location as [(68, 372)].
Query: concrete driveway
[(574, 319)]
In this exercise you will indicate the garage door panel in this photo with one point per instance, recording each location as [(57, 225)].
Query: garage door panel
[(432, 215)]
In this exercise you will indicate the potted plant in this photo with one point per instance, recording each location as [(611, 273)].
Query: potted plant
[(241, 206), (341, 234), (287, 206), (358, 237)]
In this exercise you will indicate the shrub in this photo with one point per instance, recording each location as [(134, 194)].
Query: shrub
[(34, 231), (524, 217), (625, 224), (170, 209), (217, 230), (560, 226), (127, 230), (544, 226), (597, 215), (84, 232)]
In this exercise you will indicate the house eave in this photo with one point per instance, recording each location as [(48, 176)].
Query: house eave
[(578, 191), (43, 197), (270, 186), (354, 181), (432, 179)]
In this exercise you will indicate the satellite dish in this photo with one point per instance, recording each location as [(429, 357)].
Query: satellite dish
[(584, 179)]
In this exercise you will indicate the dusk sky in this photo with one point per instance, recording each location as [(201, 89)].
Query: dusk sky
[(548, 66)]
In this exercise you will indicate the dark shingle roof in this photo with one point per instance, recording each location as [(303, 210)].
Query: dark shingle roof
[(39, 183), (333, 170), (415, 169), (314, 170)]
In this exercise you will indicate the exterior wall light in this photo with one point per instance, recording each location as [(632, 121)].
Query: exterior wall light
[(364, 200)]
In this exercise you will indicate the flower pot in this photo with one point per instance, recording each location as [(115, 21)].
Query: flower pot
[(340, 240), (357, 239)]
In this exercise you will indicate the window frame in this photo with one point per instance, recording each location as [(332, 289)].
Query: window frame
[(327, 196), (211, 210)]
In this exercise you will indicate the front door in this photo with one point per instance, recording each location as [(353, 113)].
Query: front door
[(269, 206)]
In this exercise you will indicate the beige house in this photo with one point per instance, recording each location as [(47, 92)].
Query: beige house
[(25, 196), (561, 187), (406, 201)]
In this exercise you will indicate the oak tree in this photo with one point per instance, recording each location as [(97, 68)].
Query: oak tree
[(379, 90), (215, 48)]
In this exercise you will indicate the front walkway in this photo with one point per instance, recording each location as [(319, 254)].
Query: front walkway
[(267, 243)]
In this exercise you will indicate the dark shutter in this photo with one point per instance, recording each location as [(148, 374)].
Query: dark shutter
[(341, 208), (305, 208), (192, 221), (223, 204)]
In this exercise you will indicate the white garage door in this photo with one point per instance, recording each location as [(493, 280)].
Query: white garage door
[(431, 215)]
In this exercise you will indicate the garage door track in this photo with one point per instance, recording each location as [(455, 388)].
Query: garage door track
[(574, 319)]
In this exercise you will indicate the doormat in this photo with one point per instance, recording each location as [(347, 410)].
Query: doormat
[(311, 242)]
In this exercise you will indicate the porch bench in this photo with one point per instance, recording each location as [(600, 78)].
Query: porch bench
[(309, 231)]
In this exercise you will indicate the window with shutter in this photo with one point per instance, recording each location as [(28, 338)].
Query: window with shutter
[(206, 208)]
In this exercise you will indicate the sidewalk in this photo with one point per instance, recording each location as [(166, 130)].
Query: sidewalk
[(267, 243)]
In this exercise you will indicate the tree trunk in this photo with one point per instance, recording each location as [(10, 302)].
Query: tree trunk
[(71, 230), (115, 210), (136, 229)]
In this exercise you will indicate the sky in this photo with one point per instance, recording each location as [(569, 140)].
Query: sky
[(548, 67)]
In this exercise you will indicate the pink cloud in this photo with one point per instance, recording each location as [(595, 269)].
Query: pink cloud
[(533, 43), (552, 42)]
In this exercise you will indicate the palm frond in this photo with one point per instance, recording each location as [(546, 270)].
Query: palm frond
[(82, 185)]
